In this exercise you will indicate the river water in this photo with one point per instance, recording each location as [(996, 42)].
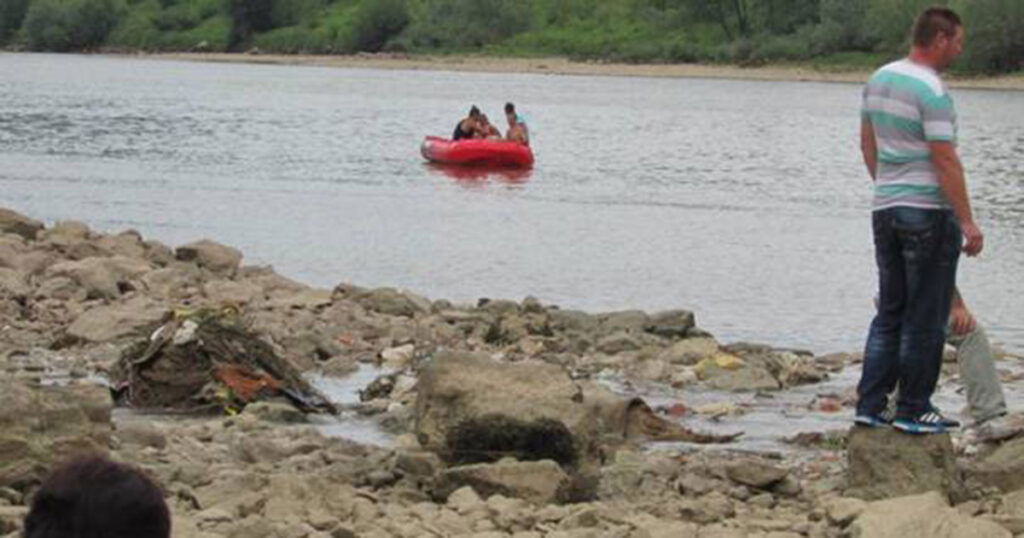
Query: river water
[(743, 201)]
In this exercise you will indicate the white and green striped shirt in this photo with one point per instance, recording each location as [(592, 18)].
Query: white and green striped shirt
[(908, 106)]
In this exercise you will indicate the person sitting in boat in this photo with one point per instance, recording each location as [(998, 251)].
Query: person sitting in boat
[(468, 126), (517, 131), (487, 129)]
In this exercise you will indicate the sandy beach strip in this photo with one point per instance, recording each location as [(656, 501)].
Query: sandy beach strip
[(563, 66)]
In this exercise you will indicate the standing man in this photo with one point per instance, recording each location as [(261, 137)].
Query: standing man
[(921, 216)]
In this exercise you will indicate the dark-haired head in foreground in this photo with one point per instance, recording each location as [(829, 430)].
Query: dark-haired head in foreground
[(96, 498)]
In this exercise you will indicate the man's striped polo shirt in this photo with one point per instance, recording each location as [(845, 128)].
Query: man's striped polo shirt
[(908, 106)]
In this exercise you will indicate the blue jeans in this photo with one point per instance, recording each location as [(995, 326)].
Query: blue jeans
[(917, 252)]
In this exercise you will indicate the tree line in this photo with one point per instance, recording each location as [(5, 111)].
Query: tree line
[(860, 33)]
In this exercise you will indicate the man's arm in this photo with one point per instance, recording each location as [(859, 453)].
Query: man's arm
[(868, 146), (951, 180)]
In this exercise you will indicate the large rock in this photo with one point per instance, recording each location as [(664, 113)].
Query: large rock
[(41, 426), (884, 463), (670, 323), (18, 224), (468, 405), (218, 258), (392, 302), (728, 372), (102, 278), (1003, 468), (926, 515), (755, 474), (110, 322), (539, 482)]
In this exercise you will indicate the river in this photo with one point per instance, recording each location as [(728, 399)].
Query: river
[(744, 201)]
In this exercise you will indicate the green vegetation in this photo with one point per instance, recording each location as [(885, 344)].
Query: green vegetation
[(829, 34)]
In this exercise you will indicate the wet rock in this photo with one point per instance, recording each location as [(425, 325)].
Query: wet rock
[(670, 323), (631, 321), (730, 373), (921, 516), (217, 258), (106, 323), (1003, 468), (280, 412), (539, 482), (755, 474), (391, 302), (690, 351), (102, 278), (18, 224), (884, 463), (41, 426)]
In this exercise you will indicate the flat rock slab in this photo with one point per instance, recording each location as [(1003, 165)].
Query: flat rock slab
[(885, 463)]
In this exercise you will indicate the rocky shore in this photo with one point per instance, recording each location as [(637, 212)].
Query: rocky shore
[(502, 419)]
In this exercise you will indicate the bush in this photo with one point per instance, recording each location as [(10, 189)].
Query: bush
[(463, 24), (12, 13), (294, 40), (63, 25), (377, 22), (995, 43), (212, 35)]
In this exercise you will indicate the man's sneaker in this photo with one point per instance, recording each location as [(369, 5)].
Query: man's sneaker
[(872, 421), (927, 422)]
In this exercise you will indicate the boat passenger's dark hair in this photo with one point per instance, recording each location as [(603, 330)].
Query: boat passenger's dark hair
[(510, 108), (934, 21), (94, 497), (474, 112)]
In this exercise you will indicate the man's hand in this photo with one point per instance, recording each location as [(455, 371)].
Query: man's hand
[(961, 320), (974, 241)]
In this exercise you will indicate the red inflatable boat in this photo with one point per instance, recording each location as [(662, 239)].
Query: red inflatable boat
[(496, 153)]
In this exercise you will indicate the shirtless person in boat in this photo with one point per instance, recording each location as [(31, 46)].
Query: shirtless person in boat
[(487, 129), (469, 126), (516, 129)]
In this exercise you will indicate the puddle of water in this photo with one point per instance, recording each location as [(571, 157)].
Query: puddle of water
[(344, 392), (775, 416)]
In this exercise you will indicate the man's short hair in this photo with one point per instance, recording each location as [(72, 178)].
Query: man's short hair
[(934, 21), (510, 108), (94, 496), (474, 112)]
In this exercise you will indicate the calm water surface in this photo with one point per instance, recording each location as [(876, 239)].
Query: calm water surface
[(744, 201)]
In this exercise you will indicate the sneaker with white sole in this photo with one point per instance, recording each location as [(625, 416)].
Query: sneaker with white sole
[(928, 422), (873, 421)]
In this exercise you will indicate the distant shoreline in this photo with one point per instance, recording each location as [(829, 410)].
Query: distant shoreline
[(563, 66)]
